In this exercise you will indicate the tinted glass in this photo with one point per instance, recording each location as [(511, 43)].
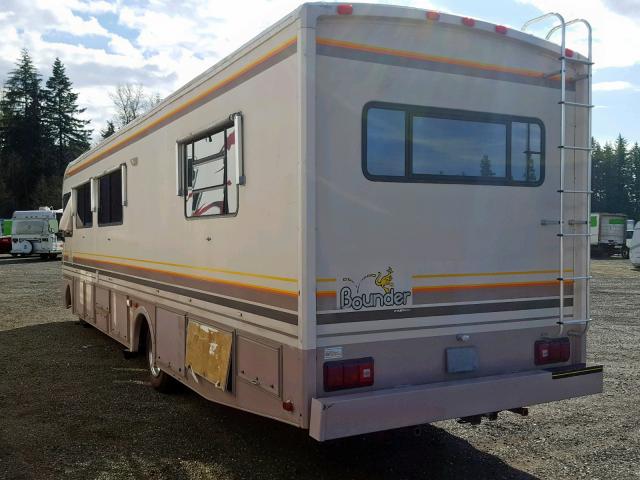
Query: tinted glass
[(84, 216), (443, 146), (110, 198), (386, 142), (526, 147)]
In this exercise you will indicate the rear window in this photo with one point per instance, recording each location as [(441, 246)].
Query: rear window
[(418, 144)]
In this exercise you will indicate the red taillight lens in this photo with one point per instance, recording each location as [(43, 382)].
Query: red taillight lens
[(469, 22), (568, 52), (345, 9), (348, 374), (435, 16), (556, 350), (501, 29)]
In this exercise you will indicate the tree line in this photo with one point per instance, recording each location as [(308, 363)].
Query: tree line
[(41, 131)]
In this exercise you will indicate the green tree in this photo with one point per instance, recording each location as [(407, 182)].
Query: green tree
[(66, 131), (21, 131), (633, 184)]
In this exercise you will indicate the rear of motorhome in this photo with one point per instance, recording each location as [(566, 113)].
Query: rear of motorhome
[(609, 234), (35, 232), (287, 234)]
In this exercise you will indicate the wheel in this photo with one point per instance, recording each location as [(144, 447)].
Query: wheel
[(44, 256), (625, 252), (14, 254), (53, 256), (159, 380)]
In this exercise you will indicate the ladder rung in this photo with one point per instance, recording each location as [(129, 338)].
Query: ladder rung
[(576, 191), (584, 277), (574, 147), (574, 322), (577, 60), (574, 234), (576, 104)]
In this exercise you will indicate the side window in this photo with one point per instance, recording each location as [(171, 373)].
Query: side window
[(209, 163), (434, 145), (110, 198), (65, 199), (84, 215)]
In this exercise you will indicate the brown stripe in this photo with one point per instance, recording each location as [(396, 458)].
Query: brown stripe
[(280, 53), (487, 293), (253, 294), (290, 318), (435, 311)]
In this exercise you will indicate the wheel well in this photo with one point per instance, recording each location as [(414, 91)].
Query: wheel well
[(67, 297), (142, 332)]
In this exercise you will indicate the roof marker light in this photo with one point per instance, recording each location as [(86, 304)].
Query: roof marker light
[(435, 16), (345, 9), (568, 52), (469, 22), (501, 29)]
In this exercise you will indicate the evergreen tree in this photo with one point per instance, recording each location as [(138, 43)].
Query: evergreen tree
[(485, 167), (109, 130), (634, 182), (21, 131), (67, 133)]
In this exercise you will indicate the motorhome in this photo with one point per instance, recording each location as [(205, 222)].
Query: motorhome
[(609, 234), (35, 232), (287, 234)]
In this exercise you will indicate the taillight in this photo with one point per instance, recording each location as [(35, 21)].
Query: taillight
[(555, 350), (348, 374)]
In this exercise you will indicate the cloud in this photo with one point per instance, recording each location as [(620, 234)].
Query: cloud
[(616, 36), (613, 86)]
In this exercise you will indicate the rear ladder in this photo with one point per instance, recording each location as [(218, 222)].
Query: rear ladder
[(566, 56)]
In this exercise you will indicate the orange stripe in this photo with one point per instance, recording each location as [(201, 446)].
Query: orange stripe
[(488, 285), (431, 58), (326, 293), (99, 156), (197, 277)]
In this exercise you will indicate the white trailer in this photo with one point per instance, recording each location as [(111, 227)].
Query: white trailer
[(609, 234), (35, 232), (634, 246), (266, 234)]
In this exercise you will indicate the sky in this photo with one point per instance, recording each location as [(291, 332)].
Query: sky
[(162, 44)]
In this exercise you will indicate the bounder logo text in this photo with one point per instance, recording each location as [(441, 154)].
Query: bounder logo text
[(384, 294)]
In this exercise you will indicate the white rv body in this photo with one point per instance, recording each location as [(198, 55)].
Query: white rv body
[(329, 295), (35, 232)]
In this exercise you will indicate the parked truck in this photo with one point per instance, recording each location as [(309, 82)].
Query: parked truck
[(609, 234), (266, 234)]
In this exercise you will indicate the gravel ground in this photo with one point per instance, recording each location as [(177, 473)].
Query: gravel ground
[(72, 407)]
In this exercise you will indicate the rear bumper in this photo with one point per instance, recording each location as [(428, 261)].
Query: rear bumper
[(347, 415)]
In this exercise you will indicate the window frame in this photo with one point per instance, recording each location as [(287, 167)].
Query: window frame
[(76, 189), (182, 146), (99, 195), (412, 111)]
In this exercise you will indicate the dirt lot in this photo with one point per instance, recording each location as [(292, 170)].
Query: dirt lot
[(72, 407)]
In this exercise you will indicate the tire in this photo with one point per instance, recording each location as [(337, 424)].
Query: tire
[(625, 252), (44, 256), (159, 380)]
